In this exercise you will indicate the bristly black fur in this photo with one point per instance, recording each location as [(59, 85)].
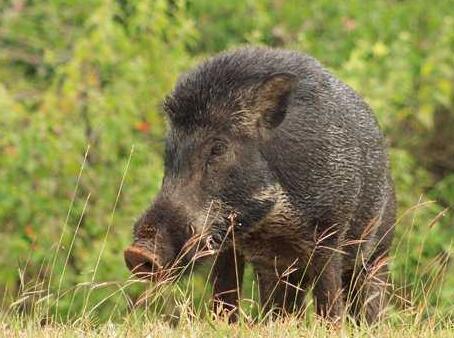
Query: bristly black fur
[(268, 147), (209, 94)]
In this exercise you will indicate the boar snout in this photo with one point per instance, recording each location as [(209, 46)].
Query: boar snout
[(142, 263), (159, 236)]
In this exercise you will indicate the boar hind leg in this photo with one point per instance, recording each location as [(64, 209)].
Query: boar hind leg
[(327, 292), (227, 278), (367, 296), (281, 295)]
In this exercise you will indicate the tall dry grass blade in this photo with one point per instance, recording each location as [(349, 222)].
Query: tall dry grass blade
[(65, 224), (104, 242), (60, 282)]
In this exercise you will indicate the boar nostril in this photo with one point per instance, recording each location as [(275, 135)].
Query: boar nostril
[(141, 262)]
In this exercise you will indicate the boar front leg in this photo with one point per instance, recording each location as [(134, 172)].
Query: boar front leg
[(227, 278)]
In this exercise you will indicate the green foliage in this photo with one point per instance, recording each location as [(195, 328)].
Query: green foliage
[(80, 88), (105, 95)]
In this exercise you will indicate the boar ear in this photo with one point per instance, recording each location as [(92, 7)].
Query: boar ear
[(271, 99)]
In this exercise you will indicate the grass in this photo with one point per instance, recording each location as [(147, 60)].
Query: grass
[(181, 309), (188, 327), (179, 305)]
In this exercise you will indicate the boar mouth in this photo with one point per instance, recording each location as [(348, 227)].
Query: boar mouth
[(142, 263)]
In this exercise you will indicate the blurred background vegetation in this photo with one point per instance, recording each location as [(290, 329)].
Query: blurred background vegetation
[(78, 74)]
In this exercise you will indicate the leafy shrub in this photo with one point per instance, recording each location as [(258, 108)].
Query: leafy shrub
[(80, 86)]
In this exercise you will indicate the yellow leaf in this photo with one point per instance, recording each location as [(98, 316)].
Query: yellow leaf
[(379, 49)]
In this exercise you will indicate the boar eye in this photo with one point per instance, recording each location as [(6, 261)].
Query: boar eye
[(218, 149)]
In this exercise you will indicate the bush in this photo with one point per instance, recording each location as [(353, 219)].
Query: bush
[(81, 128)]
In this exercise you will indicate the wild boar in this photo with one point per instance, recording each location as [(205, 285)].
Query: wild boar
[(271, 160)]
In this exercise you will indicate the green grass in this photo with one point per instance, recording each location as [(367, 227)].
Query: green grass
[(180, 305), (398, 325)]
